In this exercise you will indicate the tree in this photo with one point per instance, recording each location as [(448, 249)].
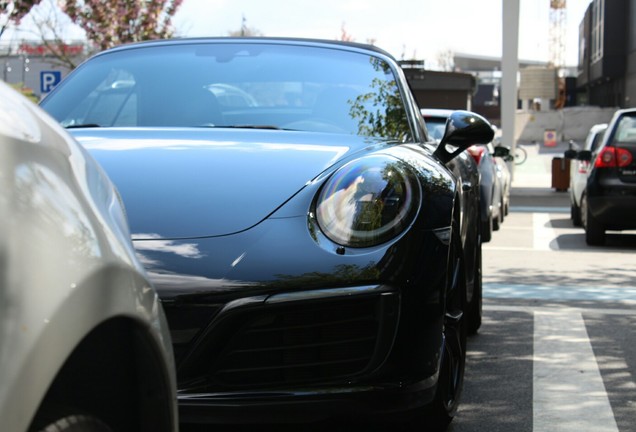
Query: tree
[(245, 30), (446, 60), (123, 21), (344, 35), (12, 11), (380, 112), (49, 27)]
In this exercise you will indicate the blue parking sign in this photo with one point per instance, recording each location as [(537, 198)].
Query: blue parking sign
[(49, 79)]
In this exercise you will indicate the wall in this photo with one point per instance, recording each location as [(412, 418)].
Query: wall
[(569, 123)]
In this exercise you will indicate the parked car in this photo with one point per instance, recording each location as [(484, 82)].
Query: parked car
[(315, 256), (491, 188), (503, 159), (465, 169), (504, 177), (84, 343), (608, 201), (579, 168)]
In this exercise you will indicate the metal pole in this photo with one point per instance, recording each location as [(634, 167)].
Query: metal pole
[(509, 70)]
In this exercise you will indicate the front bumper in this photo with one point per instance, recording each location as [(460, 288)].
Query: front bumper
[(366, 403), (293, 339), (312, 356), (283, 335)]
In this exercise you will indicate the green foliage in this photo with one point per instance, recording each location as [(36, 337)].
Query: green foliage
[(381, 112), (26, 91), (13, 11), (123, 21)]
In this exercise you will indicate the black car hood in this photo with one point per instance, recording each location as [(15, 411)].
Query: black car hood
[(185, 183)]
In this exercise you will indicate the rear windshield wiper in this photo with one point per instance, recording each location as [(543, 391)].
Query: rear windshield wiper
[(254, 127), (247, 126), (86, 125)]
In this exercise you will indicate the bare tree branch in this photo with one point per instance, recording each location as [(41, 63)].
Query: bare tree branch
[(123, 21), (12, 12)]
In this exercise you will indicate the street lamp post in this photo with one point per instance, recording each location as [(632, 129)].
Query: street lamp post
[(6, 70), (509, 70), (25, 69)]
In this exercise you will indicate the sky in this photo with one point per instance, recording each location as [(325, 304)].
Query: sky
[(408, 29)]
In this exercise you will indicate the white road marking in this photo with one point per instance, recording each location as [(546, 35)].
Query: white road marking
[(557, 292), (543, 233), (568, 390), (538, 209), (550, 309), (569, 394), (505, 248)]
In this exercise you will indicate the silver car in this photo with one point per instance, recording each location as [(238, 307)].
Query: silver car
[(83, 339), (493, 201), (579, 169)]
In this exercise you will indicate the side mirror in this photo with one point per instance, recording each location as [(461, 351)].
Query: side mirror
[(584, 155), (501, 152), (463, 129), (570, 154)]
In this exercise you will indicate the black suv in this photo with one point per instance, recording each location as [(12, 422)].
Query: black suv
[(608, 201)]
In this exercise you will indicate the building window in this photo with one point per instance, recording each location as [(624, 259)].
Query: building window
[(598, 15), (581, 45)]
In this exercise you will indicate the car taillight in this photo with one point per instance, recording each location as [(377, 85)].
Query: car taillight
[(476, 152), (623, 157), (612, 157)]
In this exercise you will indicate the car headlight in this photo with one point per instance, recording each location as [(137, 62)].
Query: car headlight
[(368, 201)]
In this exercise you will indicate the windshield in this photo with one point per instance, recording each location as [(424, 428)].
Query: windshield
[(625, 130), (234, 85), (436, 127)]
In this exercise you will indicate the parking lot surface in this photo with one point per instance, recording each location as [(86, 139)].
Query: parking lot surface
[(556, 351)]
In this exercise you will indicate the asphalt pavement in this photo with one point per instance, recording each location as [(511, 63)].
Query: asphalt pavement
[(532, 180), (556, 350)]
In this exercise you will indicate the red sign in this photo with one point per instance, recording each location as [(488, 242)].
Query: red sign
[(41, 49), (550, 138)]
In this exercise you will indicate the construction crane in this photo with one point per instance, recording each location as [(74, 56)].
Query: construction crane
[(557, 33), (557, 44)]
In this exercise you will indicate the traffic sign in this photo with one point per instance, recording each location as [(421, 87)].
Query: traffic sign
[(49, 79), (550, 138)]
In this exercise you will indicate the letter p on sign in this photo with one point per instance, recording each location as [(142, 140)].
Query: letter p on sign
[(49, 79)]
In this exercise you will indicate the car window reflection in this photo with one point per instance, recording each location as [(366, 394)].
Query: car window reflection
[(261, 86)]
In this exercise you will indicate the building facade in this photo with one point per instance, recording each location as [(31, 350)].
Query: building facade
[(33, 67), (434, 89), (606, 75)]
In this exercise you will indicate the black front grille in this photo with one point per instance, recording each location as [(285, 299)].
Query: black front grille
[(294, 344)]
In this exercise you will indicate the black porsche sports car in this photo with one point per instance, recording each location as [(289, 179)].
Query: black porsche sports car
[(316, 254)]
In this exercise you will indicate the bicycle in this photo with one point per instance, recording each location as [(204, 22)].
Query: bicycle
[(520, 155)]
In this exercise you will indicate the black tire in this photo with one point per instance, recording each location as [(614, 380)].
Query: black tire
[(486, 230), (439, 413), (496, 220), (594, 231), (496, 223), (77, 423), (476, 304), (575, 214)]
